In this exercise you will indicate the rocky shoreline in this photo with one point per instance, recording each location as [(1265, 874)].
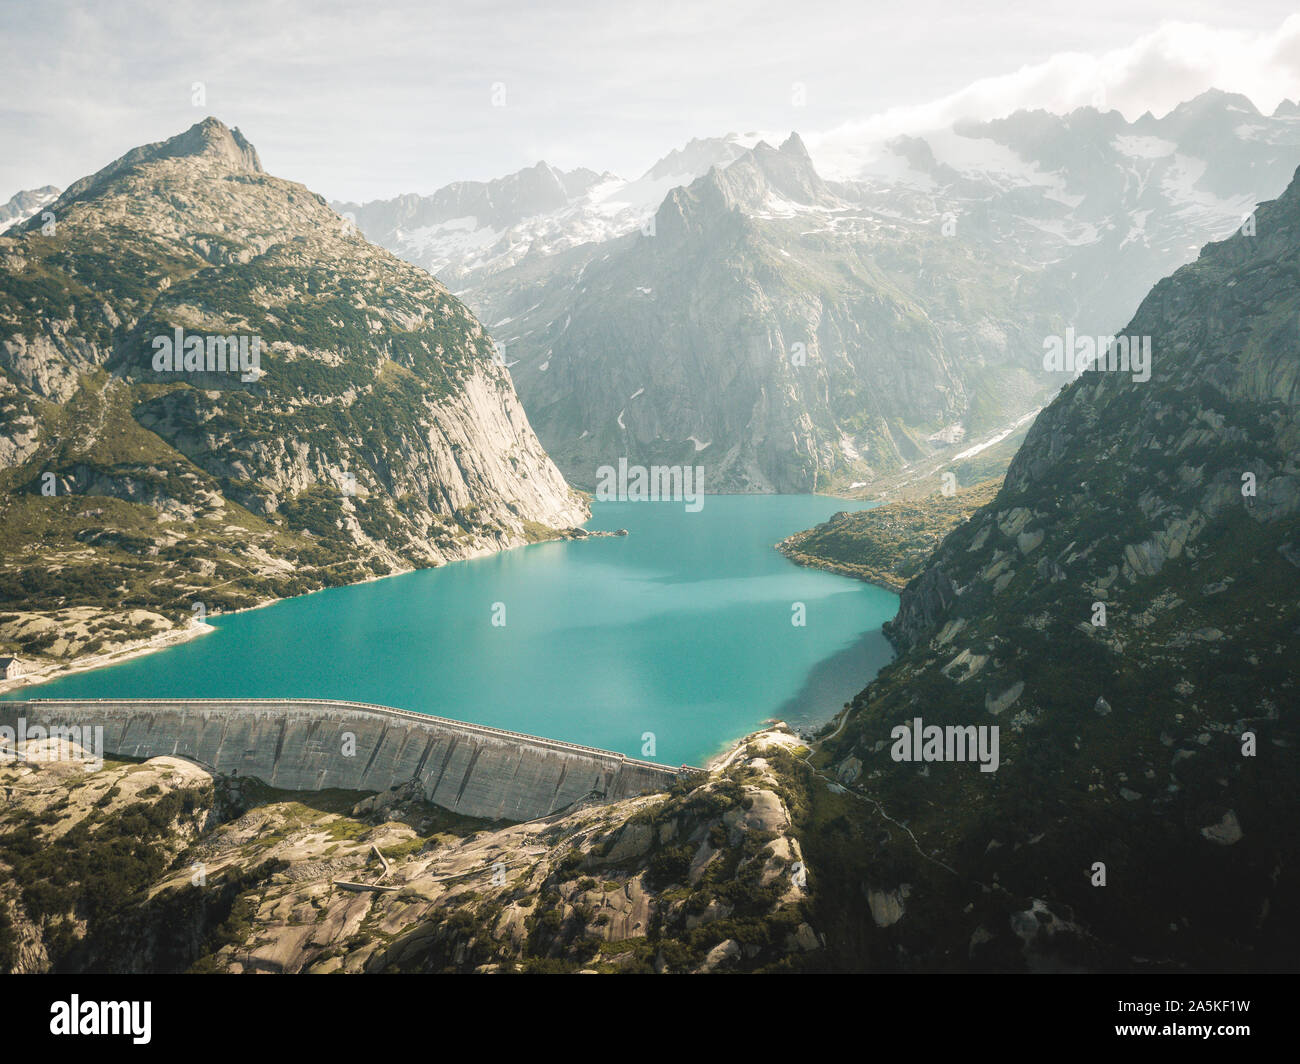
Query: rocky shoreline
[(789, 549), (887, 545)]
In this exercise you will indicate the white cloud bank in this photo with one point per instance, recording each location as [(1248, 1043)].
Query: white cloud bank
[(1155, 73)]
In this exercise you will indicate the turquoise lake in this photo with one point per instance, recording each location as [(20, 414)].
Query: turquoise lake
[(681, 629)]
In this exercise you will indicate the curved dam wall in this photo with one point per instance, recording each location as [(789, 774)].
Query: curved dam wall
[(314, 744)]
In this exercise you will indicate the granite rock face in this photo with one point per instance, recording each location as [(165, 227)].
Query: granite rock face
[(342, 410), (734, 309), (369, 370), (1125, 613), (222, 873)]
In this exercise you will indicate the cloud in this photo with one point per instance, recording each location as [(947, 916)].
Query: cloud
[(401, 100), (1155, 73)]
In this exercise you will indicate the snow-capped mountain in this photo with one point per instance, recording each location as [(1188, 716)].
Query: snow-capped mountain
[(24, 204), (791, 332), (1113, 205), (772, 329), (473, 228)]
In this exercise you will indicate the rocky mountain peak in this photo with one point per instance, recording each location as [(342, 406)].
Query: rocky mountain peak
[(1212, 114), (767, 174), (794, 145), (210, 140), (1217, 99), (305, 332), (697, 157)]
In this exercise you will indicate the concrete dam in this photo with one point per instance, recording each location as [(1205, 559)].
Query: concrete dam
[(312, 744)]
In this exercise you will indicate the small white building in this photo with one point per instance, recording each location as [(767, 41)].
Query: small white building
[(11, 668)]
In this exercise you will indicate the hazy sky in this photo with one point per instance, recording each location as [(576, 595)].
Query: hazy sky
[(362, 100)]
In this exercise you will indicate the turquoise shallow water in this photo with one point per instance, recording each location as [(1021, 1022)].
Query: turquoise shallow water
[(682, 629)]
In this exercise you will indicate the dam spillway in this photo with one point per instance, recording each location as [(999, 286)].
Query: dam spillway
[(313, 744)]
